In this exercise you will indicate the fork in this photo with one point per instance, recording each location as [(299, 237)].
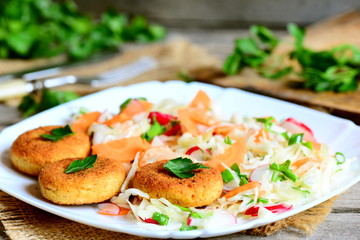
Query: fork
[(19, 87)]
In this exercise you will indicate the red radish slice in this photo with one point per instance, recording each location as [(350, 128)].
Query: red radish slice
[(277, 208), (257, 173), (162, 118), (195, 152), (109, 209), (294, 126), (150, 220), (173, 131), (221, 219)]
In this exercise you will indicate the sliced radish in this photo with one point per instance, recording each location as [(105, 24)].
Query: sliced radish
[(220, 218), (109, 209), (277, 208), (150, 220), (162, 118), (294, 126), (197, 153), (257, 173), (173, 131)]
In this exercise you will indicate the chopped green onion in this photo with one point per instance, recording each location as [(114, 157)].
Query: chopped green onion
[(243, 178), (227, 176), (185, 227), (296, 138), (268, 122), (182, 208), (301, 190), (308, 145), (155, 129), (161, 218), (340, 158), (283, 168), (227, 140)]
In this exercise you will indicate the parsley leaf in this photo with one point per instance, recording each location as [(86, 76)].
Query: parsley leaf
[(58, 133), (155, 129), (81, 164), (282, 172), (183, 167)]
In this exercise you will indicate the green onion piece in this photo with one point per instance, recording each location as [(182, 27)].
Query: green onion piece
[(227, 176), (283, 168), (161, 218), (185, 227), (182, 208), (263, 200), (243, 178), (268, 122), (290, 175), (301, 190), (296, 138), (227, 140), (308, 145), (340, 158)]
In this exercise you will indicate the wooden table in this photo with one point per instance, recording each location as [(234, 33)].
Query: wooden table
[(344, 220)]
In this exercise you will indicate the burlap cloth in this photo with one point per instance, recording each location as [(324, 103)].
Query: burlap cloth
[(22, 221)]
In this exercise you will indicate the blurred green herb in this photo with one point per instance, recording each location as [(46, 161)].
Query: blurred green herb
[(44, 28), (335, 70), (29, 105)]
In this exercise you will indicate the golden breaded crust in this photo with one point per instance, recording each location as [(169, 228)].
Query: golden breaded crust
[(92, 185), (30, 152), (201, 190)]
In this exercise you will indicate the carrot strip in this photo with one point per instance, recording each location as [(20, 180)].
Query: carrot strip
[(300, 162), (83, 122), (124, 211), (262, 134), (242, 188), (123, 149), (133, 108), (233, 154), (201, 100), (187, 125), (225, 130)]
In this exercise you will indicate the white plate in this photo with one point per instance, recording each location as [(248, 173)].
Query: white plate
[(341, 135)]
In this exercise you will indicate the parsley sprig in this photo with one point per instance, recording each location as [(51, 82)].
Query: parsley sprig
[(183, 167), (155, 129), (81, 164), (58, 133), (335, 70), (282, 172)]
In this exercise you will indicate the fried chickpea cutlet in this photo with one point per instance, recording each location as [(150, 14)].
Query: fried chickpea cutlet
[(200, 190), (92, 185), (30, 152)]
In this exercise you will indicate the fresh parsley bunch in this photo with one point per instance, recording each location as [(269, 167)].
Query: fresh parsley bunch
[(335, 70), (43, 28)]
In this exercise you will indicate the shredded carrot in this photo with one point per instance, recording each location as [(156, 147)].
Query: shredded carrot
[(123, 149), (124, 211), (233, 154), (83, 122), (242, 188), (262, 134), (201, 100), (225, 130), (133, 108), (300, 162)]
